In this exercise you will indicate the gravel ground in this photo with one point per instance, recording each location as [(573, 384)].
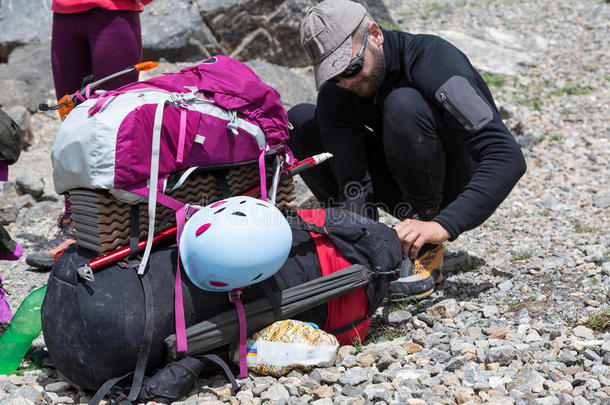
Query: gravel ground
[(525, 319)]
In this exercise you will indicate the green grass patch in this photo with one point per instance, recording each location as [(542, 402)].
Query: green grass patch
[(587, 68), (389, 26), (535, 103), (521, 256), (357, 343), (29, 366), (552, 138), (586, 229), (545, 213), (599, 321), (466, 267), (434, 7), (513, 305), (492, 250), (518, 214), (570, 91), (492, 80)]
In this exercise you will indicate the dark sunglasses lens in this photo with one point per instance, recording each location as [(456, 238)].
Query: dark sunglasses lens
[(352, 69)]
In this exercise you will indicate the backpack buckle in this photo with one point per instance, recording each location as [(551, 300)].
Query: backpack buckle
[(234, 295)]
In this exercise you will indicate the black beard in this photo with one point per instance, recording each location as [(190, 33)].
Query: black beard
[(376, 77), (378, 73)]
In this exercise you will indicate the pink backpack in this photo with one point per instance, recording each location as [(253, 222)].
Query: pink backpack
[(128, 141)]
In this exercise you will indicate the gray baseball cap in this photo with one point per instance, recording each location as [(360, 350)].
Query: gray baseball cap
[(326, 36)]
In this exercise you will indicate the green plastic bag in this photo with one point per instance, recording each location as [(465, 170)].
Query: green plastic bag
[(10, 139)]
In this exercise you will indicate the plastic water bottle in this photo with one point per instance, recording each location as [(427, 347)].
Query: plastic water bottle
[(24, 328)]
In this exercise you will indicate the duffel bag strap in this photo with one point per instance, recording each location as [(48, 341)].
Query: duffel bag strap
[(222, 364)]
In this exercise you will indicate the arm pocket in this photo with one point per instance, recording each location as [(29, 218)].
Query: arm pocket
[(459, 98)]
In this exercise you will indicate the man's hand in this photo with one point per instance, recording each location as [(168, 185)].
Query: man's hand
[(413, 234)]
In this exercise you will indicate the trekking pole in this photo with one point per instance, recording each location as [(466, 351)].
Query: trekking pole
[(69, 101), (293, 170), (100, 262)]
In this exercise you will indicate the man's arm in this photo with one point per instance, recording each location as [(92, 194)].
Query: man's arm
[(446, 78)]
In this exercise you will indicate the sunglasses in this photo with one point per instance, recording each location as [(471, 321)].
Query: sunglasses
[(355, 64)]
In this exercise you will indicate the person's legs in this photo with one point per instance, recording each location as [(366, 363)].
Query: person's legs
[(116, 44), (416, 159), (70, 57), (414, 150)]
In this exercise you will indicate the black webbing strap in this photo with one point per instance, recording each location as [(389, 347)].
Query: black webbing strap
[(134, 231), (107, 386), (273, 299), (308, 227), (215, 359), (345, 328), (144, 352), (223, 184)]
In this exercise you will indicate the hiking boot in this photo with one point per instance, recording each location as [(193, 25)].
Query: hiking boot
[(419, 277), (61, 240)]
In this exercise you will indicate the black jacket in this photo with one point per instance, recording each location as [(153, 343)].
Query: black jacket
[(475, 137)]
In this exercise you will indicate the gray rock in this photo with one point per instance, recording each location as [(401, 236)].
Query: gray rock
[(489, 311), (474, 375), (488, 56), (22, 24), (502, 354), (505, 285), (293, 88), (176, 32), (351, 391), (567, 357), (400, 316), (276, 392), (354, 377), (9, 212), (602, 199), (30, 183), (455, 364)]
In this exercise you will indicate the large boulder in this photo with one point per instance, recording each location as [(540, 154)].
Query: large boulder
[(174, 30), (23, 22)]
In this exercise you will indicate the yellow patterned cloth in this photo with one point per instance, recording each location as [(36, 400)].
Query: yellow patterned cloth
[(286, 345)]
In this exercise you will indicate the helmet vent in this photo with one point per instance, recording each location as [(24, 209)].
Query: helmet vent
[(262, 205), (238, 213), (220, 210), (202, 229), (218, 284), (260, 274), (243, 202)]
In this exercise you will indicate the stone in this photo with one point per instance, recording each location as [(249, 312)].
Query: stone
[(496, 331), (583, 332), (400, 316), (445, 309), (354, 377), (30, 183), (343, 352), (60, 386), (502, 354), (275, 392), (561, 386), (489, 311)]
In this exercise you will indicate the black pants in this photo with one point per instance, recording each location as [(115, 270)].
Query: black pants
[(408, 164)]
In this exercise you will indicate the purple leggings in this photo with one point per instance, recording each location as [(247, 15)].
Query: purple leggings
[(98, 42)]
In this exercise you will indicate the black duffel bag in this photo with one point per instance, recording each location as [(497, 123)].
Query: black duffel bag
[(94, 330)]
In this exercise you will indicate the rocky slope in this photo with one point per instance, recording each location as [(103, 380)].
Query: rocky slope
[(525, 319)]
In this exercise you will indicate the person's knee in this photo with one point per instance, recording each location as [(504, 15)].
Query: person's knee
[(406, 105), (301, 113)]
